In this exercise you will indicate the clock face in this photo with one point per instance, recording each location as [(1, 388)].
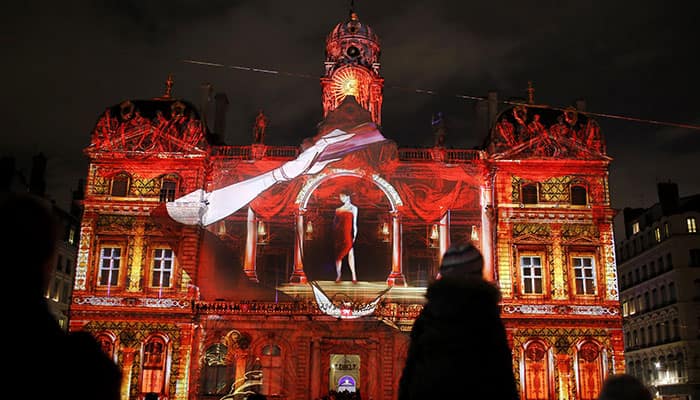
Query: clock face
[(352, 52)]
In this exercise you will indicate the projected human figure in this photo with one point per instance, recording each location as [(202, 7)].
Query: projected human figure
[(344, 234), (205, 208)]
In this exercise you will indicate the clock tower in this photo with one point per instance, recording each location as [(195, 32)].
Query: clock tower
[(352, 67)]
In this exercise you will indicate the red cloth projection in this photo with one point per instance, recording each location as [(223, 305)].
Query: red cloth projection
[(342, 233)]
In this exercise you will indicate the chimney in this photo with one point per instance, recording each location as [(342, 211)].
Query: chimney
[(205, 101), (221, 104), (492, 107), (37, 180), (482, 117), (580, 105), (77, 197), (668, 197)]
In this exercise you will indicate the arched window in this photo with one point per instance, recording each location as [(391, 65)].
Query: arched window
[(153, 363), (672, 292), (662, 291), (680, 365), (168, 188), (217, 375), (676, 329), (529, 193), (536, 371), (579, 195), (106, 341), (120, 185), (590, 370), (271, 362)]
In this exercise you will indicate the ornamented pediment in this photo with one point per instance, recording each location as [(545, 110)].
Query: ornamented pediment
[(525, 132), (160, 125)]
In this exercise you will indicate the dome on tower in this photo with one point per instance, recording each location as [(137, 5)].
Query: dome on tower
[(352, 42)]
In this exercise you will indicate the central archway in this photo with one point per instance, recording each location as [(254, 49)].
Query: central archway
[(393, 229)]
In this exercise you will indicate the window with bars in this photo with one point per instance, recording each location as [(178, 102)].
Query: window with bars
[(691, 223), (167, 190), (110, 260), (153, 373), (578, 195), (162, 268), (120, 185), (531, 271), (529, 193)]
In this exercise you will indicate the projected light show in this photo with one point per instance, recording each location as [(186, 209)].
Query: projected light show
[(298, 271)]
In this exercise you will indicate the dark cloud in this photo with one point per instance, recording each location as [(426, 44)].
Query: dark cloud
[(65, 62)]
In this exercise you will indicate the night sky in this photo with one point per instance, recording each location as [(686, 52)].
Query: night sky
[(65, 62)]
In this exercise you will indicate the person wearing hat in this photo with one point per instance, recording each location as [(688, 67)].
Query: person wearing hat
[(458, 347)]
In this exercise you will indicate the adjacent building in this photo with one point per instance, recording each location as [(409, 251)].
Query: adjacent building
[(659, 273)]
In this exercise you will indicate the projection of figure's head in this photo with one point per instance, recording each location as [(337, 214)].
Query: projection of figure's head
[(344, 197)]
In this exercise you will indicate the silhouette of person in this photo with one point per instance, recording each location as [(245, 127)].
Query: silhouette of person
[(60, 365), (458, 342), (624, 387), (344, 234)]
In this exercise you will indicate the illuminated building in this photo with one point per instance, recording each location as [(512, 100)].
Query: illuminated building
[(200, 312), (659, 268)]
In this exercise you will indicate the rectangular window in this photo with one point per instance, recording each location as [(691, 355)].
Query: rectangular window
[(65, 292), (167, 191), (667, 231), (690, 222), (59, 264), (69, 266), (110, 259), (71, 235), (584, 274), (694, 258), (162, 267), (635, 228), (657, 235), (531, 268)]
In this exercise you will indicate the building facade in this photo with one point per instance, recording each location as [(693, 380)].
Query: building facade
[(217, 310), (659, 269)]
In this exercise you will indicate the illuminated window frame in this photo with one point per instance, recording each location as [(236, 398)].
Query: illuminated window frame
[(154, 366), (526, 186), (108, 269), (168, 188), (121, 178), (162, 268), (691, 224), (584, 273), (657, 234), (531, 267), (576, 190), (635, 228)]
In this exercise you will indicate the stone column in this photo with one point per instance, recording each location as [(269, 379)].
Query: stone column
[(138, 257), (298, 276), (444, 235), (563, 371), (127, 370), (251, 243), (87, 232), (559, 289), (396, 277), (315, 368)]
